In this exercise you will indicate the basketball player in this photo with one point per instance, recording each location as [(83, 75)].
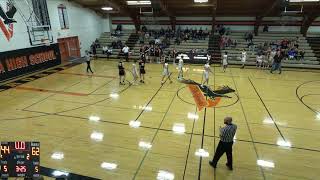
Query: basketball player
[(122, 73), (225, 61), (88, 59), (180, 68), (142, 70), (134, 73), (165, 72), (243, 58), (206, 72)]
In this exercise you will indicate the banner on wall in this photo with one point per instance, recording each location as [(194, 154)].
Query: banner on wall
[(7, 13), (23, 61)]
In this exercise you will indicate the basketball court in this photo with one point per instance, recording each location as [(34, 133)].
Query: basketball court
[(83, 121), (58, 121)]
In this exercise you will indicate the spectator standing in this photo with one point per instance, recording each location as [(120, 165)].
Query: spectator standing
[(227, 134), (265, 28), (277, 62), (302, 52)]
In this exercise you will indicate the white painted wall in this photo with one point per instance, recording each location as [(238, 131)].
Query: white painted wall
[(106, 24), (84, 23)]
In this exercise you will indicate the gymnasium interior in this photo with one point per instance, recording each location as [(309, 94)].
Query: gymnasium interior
[(61, 121)]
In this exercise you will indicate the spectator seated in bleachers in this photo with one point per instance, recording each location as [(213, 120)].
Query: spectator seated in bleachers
[(97, 43), (107, 50), (292, 54), (265, 28), (157, 41), (248, 37)]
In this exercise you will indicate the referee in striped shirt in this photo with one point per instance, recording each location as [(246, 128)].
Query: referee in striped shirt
[(225, 145)]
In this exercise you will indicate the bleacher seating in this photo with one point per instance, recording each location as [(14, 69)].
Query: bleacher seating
[(235, 53), (314, 41), (311, 59), (106, 40)]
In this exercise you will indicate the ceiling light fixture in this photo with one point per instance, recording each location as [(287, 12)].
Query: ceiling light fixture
[(107, 8), (297, 1), (135, 3), (200, 1)]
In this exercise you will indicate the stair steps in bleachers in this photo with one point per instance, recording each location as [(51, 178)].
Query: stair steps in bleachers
[(315, 45)]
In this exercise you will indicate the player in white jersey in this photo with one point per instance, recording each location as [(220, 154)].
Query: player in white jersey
[(271, 57), (243, 58), (225, 61), (134, 73), (165, 73), (180, 68), (206, 72)]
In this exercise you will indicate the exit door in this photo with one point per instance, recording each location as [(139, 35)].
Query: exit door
[(69, 48)]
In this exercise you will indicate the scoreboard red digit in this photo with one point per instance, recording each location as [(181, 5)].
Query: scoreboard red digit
[(20, 159)]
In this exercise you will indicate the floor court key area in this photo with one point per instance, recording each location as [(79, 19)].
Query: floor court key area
[(89, 126)]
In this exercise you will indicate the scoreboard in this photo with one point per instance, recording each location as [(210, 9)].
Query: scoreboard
[(20, 159)]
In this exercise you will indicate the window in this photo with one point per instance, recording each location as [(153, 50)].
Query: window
[(40, 9), (63, 17)]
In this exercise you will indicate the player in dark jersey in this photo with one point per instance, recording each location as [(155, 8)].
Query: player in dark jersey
[(122, 73), (142, 70)]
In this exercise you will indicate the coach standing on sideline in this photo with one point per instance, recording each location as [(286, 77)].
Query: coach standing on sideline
[(225, 145)]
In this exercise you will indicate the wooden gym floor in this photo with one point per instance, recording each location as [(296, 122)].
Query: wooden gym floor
[(270, 110)]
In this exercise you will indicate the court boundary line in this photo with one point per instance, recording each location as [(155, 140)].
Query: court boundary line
[(249, 129), (189, 146), (154, 136), (301, 98), (264, 105), (53, 94), (169, 130), (143, 109)]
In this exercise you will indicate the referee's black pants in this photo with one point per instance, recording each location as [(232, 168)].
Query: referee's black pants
[(89, 67), (126, 56), (223, 147)]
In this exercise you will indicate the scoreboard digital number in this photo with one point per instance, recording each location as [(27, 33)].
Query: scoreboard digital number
[(20, 159)]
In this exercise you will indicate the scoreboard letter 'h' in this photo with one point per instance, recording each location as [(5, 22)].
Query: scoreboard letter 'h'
[(5, 150)]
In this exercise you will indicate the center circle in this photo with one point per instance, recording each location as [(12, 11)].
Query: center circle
[(225, 102)]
